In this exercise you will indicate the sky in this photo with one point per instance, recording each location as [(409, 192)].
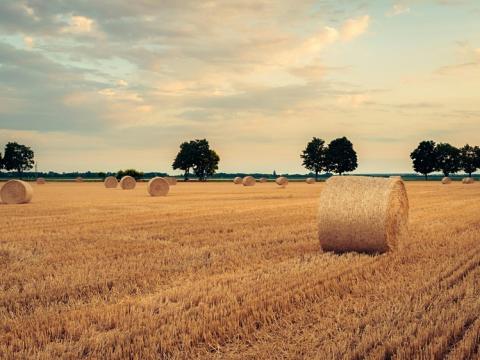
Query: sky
[(113, 84)]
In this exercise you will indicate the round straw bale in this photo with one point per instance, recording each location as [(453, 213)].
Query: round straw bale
[(468, 180), (310, 181), (248, 181), (282, 181), (263, 180), (78, 179), (171, 180), (446, 180), (110, 182), (16, 192), (237, 180), (127, 183), (363, 214), (158, 186), (41, 181)]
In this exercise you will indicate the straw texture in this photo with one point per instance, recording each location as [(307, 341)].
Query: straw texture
[(282, 181), (127, 183), (362, 214), (158, 186), (110, 182), (446, 180), (237, 180), (41, 181), (263, 180), (468, 180), (248, 181), (16, 192), (310, 181)]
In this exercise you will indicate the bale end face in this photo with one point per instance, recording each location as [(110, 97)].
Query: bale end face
[(248, 181), (263, 180), (281, 181), (171, 180), (16, 192), (310, 181), (127, 183), (40, 181), (158, 186), (468, 180), (237, 180), (446, 180), (79, 179), (362, 214), (110, 182)]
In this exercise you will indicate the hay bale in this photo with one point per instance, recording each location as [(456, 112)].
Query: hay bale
[(282, 181), (446, 180), (110, 182), (248, 181), (395, 177), (263, 180), (171, 180), (127, 183), (237, 180), (41, 181), (362, 214), (79, 179), (468, 180), (16, 192), (158, 186), (310, 181)]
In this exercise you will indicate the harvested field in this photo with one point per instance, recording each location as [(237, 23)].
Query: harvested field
[(215, 271)]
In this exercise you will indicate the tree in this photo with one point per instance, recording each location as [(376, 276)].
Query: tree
[(448, 158), (184, 159), (469, 159), (340, 156), (196, 155), (18, 157), (314, 156), (102, 175), (425, 158), (130, 172)]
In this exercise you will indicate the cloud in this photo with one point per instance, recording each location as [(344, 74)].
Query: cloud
[(353, 28), (398, 9), (28, 41)]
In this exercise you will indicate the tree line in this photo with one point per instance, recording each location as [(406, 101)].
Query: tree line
[(429, 157)]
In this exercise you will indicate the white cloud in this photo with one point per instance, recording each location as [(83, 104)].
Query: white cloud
[(398, 9), (353, 28), (79, 25)]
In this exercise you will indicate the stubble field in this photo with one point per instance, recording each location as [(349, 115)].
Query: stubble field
[(226, 272)]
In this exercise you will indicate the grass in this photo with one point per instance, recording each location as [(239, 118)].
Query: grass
[(218, 270)]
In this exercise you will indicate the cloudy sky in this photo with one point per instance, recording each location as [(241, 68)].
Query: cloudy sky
[(104, 85)]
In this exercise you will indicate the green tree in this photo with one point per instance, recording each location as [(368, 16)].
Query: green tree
[(18, 157), (425, 158), (469, 159), (340, 156), (185, 158), (102, 175), (314, 156), (130, 172), (448, 158), (196, 155)]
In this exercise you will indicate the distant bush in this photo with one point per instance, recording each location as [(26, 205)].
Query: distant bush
[(130, 172)]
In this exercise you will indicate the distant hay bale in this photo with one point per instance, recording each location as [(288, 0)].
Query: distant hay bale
[(78, 179), (396, 177), (446, 180), (41, 181), (110, 182), (248, 181), (237, 180), (282, 181), (16, 192), (468, 180), (171, 180), (158, 186), (363, 214), (127, 183), (263, 180), (310, 180)]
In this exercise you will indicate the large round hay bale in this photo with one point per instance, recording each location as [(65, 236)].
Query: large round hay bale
[(248, 181), (158, 186), (363, 214), (110, 182), (263, 180), (41, 181), (171, 180), (127, 182), (16, 192), (310, 180), (446, 180), (468, 180), (237, 180), (79, 179), (282, 181)]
